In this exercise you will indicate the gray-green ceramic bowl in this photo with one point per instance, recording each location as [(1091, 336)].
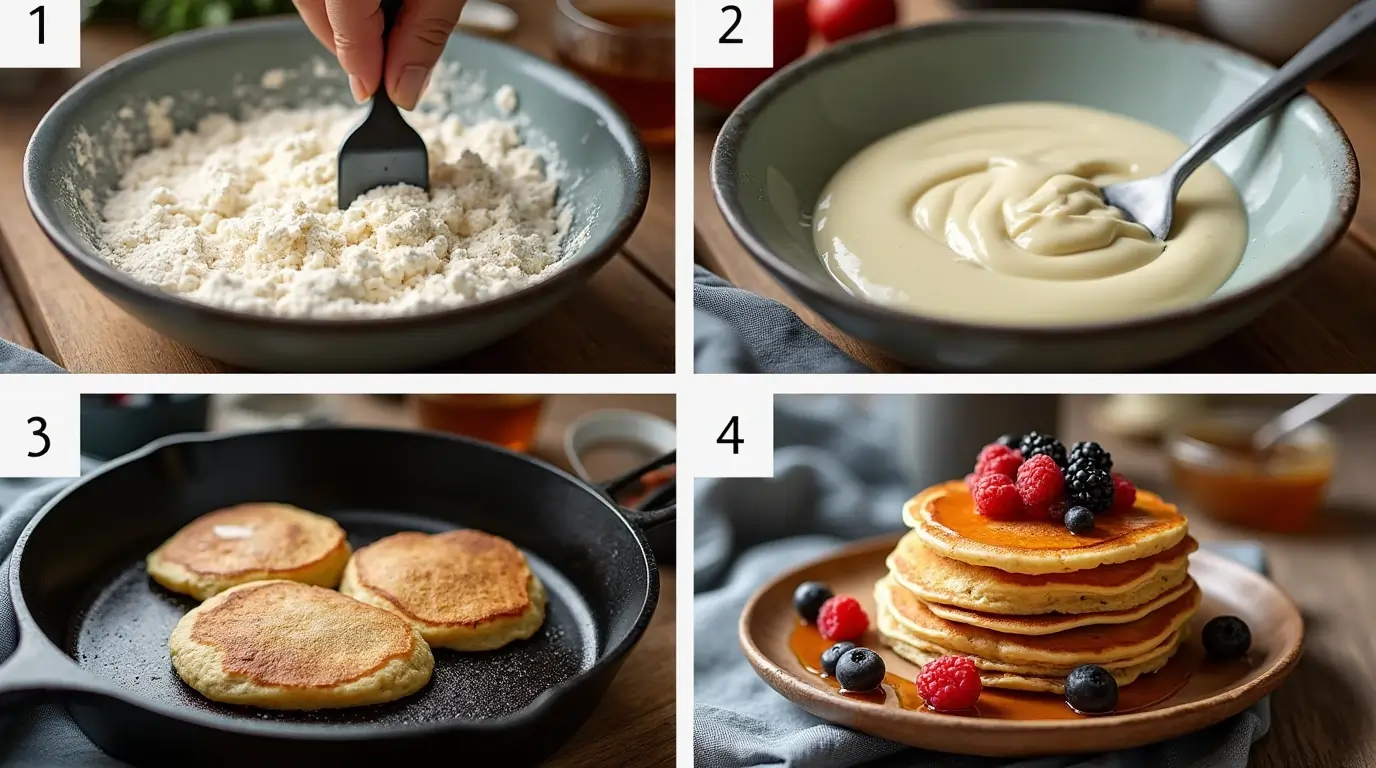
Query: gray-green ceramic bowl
[(1296, 172), (606, 183)]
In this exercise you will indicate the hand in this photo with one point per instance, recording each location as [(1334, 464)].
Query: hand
[(352, 30)]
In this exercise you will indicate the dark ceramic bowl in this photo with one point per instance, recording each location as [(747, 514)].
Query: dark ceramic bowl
[(220, 70), (1296, 172)]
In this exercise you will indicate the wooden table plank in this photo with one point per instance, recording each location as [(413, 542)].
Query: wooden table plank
[(1322, 326), (622, 321), (13, 328)]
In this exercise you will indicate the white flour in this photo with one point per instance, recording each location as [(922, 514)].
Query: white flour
[(244, 215)]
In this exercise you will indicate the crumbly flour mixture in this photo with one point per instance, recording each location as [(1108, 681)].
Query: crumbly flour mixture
[(244, 215)]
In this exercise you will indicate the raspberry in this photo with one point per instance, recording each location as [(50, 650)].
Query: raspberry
[(949, 684), (999, 459), (970, 481), (842, 618), (1124, 493), (996, 497), (1039, 481)]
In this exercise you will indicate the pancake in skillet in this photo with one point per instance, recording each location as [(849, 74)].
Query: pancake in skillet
[(250, 542), (464, 590), (286, 645)]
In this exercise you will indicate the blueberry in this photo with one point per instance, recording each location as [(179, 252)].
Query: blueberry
[(832, 655), (860, 669), (1226, 638), (808, 599), (1079, 520), (1091, 689)]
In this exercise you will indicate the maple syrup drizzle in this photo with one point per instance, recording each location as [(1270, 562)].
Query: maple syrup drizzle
[(1146, 691)]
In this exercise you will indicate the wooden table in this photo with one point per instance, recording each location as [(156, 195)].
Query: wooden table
[(1323, 326), (621, 322), (1324, 716), (634, 723)]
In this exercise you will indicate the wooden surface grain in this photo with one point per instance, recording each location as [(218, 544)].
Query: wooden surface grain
[(634, 724), (621, 322), (1324, 716), (1323, 326)]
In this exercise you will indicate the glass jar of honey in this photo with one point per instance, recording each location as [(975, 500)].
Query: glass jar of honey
[(625, 48), (506, 420), (1215, 468)]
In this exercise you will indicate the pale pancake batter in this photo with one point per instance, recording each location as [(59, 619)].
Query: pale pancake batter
[(993, 214)]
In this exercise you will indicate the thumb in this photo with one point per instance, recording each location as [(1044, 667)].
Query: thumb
[(421, 32)]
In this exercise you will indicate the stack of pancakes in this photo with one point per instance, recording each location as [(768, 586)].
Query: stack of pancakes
[(1028, 601)]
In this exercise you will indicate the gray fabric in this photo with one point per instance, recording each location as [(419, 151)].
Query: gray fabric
[(17, 359), (837, 478), (41, 735), (735, 331)]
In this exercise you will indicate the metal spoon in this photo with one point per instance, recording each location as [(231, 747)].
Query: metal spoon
[(1151, 201), (384, 150), (1274, 430)]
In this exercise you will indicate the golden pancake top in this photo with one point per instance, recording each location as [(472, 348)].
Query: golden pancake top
[(944, 517), (1051, 623), (253, 538), (288, 634), (457, 578)]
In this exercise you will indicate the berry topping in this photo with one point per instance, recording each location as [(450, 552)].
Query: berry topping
[(842, 618), (1124, 493), (808, 599), (1090, 488), (1011, 441), (999, 460), (1039, 482), (1089, 456), (1079, 520), (1053, 511), (970, 481), (949, 684), (1226, 638), (1091, 689), (996, 497), (1037, 444), (832, 655), (860, 669)]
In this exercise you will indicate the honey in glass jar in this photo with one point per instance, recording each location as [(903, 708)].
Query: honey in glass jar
[(506, 420)]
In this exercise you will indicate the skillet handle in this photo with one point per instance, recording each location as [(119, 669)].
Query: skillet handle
[(36, 667), (652, 512)]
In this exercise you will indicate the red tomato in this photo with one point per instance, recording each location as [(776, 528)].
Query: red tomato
[(837, 19), (727, 88)]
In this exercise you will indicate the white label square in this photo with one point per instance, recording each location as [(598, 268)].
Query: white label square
[(40, 34), (730, 432), (730, 34), (40, 434)]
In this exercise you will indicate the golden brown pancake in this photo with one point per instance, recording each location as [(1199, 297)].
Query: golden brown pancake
[(1051, 623), (250, 542), (286, 645), (466, 590), (944, 517)]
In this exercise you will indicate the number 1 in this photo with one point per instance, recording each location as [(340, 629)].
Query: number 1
[(39, 13), (726, 38)]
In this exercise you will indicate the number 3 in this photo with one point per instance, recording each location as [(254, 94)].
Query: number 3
[(42, 425), (727, 39)]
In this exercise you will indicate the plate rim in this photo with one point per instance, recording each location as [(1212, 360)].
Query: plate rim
[(1225, 703)]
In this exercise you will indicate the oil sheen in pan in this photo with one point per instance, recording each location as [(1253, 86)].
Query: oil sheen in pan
[(122, 637)]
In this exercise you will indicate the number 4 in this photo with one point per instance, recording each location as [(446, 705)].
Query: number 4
[(734, 428), (726, 38), (39, 13)]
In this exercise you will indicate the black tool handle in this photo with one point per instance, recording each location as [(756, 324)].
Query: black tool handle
[(646, 515), (390, 10)]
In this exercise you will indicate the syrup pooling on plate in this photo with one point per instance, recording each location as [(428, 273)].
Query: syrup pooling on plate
[(1148, 691)]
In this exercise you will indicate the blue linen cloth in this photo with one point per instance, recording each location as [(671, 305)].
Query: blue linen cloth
[(837, 478), (17, 359)]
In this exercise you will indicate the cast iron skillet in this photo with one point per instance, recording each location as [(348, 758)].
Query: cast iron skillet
[(94, 628)]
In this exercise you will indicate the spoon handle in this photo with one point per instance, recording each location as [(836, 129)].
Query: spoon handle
[(1332, 46), (390, 10), (1312, 408)]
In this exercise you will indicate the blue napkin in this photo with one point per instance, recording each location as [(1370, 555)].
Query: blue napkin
[(17, 359), (736, 331), (836, 478)]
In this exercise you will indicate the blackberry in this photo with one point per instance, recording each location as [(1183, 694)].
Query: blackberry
[(1091, 489), (1089, 456), (1010, 441), (1035, 443)]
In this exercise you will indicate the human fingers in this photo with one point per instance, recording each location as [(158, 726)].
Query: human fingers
[(422, 30), (357, 31)]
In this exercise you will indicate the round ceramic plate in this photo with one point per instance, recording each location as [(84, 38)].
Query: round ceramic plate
[(1212, 693)]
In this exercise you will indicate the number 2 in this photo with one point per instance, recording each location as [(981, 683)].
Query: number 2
[(39, 13), (42, 425), (727, 39), (734, 427)]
